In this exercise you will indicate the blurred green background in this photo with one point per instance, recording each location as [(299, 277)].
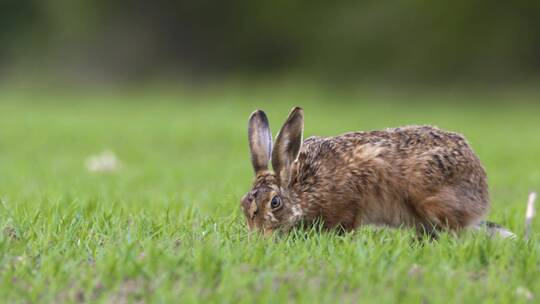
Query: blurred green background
[(405, 42), (167, 87)]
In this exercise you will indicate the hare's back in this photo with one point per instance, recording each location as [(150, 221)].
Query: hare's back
[(407, 141), (418, 150)]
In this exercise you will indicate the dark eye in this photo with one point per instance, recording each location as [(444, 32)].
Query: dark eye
[(276, 202)]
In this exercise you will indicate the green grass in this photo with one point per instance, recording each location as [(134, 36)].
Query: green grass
[(167, 225)]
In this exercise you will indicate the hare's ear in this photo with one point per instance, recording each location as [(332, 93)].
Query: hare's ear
[(288, 143), (260, 140)]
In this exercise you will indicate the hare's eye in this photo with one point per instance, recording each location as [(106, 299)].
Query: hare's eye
[(275, 203)]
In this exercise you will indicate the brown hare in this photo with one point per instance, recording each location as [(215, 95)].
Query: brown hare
[(415, 176)]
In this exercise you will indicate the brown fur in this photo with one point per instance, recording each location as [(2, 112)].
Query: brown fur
[(415, 176)]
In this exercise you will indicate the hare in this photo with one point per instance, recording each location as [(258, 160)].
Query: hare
[(416, 176)]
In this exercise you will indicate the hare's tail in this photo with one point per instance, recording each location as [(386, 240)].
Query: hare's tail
[(494, 229)]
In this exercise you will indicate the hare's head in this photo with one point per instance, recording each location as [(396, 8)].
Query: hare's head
[(269, 205)]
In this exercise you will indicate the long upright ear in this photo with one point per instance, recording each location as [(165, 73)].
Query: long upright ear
[(288, 144), (260, 140)]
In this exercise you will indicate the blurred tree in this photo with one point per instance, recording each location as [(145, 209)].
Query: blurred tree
[(395, 40)]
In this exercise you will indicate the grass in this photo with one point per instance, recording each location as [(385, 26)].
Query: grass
[(166, 226)]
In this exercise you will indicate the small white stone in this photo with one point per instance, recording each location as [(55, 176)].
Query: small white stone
[(106, 161), (525, 293)]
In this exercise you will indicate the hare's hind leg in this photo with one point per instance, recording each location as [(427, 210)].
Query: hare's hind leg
[(449, 209)]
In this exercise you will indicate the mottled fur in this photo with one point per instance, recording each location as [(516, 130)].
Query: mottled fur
[(415, 176)]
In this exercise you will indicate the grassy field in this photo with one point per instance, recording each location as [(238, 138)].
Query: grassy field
[(167, 226)]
